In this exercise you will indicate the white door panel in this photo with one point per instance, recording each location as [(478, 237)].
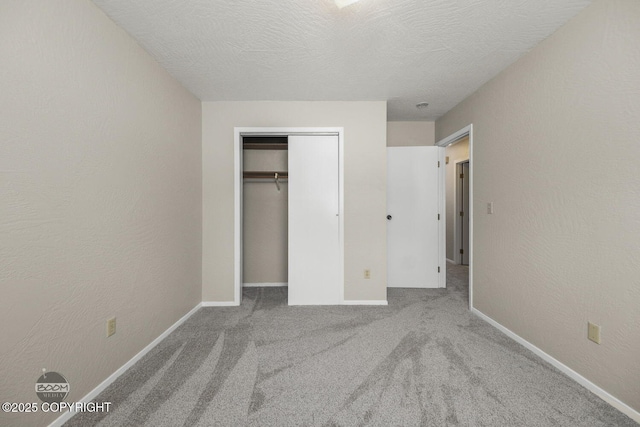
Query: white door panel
[(314, 251), (414, 236)]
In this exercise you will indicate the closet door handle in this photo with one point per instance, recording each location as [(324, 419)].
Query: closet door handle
[(389, 217)]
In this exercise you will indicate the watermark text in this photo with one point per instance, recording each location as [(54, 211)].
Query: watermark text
[(56, 407)]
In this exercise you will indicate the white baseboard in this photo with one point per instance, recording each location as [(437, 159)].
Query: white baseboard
[(365, 302), (219, 304), (111, 378), (265, 285), (450, 261), (602, 394)]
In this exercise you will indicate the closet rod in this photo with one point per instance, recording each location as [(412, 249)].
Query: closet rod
[(265, 175)]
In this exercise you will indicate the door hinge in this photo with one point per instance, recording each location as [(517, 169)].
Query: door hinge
[(438, 269), (462, 251), (461, 175), (438, 217), (438, 163), (461, 213)]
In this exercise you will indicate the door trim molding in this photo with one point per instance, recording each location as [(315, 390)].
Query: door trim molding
[(455, 137), (442, 224), (238, 133)]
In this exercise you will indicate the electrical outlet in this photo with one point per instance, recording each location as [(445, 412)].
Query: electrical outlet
[(111, 326), (367, 274), (594, 333)]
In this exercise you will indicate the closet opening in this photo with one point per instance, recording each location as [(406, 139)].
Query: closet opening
[(289, 213), (265, 211)]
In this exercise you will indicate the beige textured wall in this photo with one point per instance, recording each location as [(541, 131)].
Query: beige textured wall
[(403, 134), (265, 220), (365, 231), (456, 153), (556, 136), (100, 182)]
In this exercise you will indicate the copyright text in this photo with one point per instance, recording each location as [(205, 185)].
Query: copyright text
[(56, 407)]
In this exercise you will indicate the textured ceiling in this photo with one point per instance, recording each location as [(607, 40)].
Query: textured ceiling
[(402, 51)]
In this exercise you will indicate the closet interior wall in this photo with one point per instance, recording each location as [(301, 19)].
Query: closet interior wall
[(265, 218)]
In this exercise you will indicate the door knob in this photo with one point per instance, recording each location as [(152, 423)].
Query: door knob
[(389, 217)]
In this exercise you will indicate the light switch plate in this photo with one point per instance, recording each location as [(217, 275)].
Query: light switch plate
[(111, 326), (594, 332)]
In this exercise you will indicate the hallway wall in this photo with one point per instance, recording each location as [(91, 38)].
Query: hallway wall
[(408, 134)]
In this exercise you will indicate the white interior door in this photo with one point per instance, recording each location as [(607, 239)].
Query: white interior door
[(314, 233), (415, 235)]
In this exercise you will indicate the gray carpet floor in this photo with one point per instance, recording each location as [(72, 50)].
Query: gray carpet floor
[(424, 360)]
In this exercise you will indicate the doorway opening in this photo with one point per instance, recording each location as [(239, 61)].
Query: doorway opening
[(459, 204), (456, 216)]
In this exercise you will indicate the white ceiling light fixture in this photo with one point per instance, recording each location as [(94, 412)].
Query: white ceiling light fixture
[(345, 3)]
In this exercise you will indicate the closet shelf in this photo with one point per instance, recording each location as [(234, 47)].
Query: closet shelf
[(265, 174), (265, 142), (264, 146)]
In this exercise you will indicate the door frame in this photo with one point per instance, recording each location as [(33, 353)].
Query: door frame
[(449, 140), (238, 133)]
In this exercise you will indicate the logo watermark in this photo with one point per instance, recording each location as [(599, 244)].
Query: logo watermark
[(52, 387)]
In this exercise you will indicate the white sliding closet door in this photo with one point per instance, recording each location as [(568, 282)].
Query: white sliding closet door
[(314, 233)]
